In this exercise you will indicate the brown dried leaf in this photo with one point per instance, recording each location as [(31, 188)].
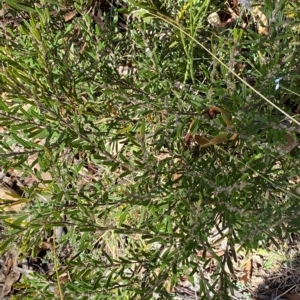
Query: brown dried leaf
[(246, 277), (99, 22), (83, 48), (208, 254), (70, 15), (46, 246), (262, 21), (290, 144), (204, 142), (64, 278), (29, 181), (176, 176), (10, 201), (289, 296), (11, 278), (9, 265), (236, 17)]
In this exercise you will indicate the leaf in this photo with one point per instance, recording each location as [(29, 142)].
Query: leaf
[(246, 277), (288, 296), (53, 2), (5, 243), (204, 142), (289, 145), (261, 21), (3, 106), (20, 6), (214, 20), (124, 130), (269, 263), (221, 137), (183, 10), (11, 278), (11, 201), (230, 265), (70, 15)]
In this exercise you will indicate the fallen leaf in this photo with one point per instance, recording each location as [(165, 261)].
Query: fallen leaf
[(262, 21), (289, 145), (246, 277), (70, 15), (62, 279), (9, 265), (289, 296), (214, 20), (10, 201), (204, 142), (11, 278), (46, 246), (99, 22), (221, 138), (83, 48), (208, 254)]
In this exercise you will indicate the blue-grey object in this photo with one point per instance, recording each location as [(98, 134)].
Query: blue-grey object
[(277, 80), (246, 3)]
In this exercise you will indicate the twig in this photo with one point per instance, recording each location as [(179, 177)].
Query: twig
[(21, 153), (278, 297), (56, 266)]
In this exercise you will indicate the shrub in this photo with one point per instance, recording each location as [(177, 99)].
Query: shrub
[(95, 117)]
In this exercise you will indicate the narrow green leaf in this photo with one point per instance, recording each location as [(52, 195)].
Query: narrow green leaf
[(19, 6)]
